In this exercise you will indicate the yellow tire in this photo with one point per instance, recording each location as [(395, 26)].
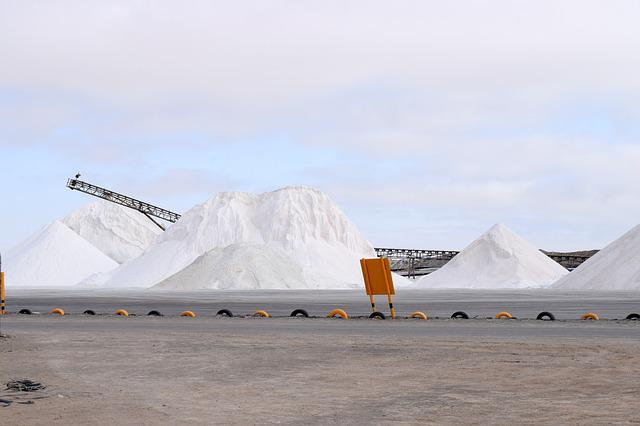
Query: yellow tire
[(501, 315), (419, 315), (190, 314), (122, 313), (590, 316), (261, 313), (57, 311), (338, 313)]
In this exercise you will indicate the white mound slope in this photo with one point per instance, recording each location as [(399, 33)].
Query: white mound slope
[(499, 259), (239, 266), (615, 267), (54, 257), (290, 238), (121, 233)]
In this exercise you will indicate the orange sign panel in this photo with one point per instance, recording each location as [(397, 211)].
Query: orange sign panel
[(377, 276)]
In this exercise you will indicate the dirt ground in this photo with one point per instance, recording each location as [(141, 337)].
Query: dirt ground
[(218, 376)]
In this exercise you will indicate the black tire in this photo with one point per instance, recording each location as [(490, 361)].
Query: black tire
[(377, 315), (542, 315), (635, 317), (224, 313), (155, 314), (459, 315), (89, 312), (299, 312), (25, 311)]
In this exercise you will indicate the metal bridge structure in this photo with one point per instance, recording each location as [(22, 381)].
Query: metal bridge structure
[(146, 209), (415, 262), (408, 262)]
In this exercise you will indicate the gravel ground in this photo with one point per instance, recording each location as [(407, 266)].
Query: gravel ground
[(141, 370)]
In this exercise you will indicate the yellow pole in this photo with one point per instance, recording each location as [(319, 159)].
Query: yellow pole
[(2, 293), (367, 283), (391, 308), (386, 281)]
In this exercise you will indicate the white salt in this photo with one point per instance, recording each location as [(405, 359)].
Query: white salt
[(299, 229), (54, 257), (616, 267), (121, 233), (499, 259)]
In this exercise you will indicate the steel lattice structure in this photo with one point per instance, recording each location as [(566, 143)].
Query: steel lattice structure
[(393, 253), (147, 209), (414, 262)]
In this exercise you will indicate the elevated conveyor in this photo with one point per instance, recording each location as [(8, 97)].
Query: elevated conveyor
[(146, 209)]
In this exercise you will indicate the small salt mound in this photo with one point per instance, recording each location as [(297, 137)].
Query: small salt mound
[(121, 233), (499, 259), (302, 222), (54, 257), (239, 266), (615, 267)]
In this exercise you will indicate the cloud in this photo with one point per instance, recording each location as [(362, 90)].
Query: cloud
[(259, 57), (460, 112), (354, 74), (181, 182)]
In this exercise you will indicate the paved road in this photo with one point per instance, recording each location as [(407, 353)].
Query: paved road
[(479, 304), (525, 305), (291, 327)]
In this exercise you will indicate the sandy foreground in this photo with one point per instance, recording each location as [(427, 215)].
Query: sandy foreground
[(162, 371)]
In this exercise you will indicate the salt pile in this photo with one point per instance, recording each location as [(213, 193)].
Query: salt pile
[(294, 237), (119, 232), (239, 266), (54, 257), (499, 259), (615, 267)]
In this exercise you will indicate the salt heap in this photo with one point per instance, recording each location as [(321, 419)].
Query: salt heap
[(294, 237), (615, 267), (119, 232), (499, 259), (54, 257), (238, 267)]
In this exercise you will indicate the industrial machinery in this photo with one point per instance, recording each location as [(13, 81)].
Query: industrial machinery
[(146, 209)]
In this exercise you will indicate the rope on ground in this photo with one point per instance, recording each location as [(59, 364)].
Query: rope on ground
[(24, 385)]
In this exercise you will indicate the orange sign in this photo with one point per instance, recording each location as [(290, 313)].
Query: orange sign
[(377, 276)]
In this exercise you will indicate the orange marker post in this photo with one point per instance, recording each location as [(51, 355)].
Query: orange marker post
[(378, 281)]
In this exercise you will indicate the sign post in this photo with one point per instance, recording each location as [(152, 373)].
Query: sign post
[(378, 281)]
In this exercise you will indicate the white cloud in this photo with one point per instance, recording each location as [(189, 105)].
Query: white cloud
[(283, 51), (466, 99)]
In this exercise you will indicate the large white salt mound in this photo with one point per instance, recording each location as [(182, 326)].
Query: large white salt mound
[(302, 222), (121, 233), (239, 266), (615, 267), (54, 257), (499, 259)]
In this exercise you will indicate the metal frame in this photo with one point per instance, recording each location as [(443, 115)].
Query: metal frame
[(406, 260), (393, 253), (147, 209)]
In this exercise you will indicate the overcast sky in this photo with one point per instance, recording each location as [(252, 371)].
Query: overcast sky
[(426, 121)]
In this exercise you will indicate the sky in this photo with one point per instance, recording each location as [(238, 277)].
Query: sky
[(426, 121)]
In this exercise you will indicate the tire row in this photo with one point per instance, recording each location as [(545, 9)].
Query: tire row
[(338, 313)]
